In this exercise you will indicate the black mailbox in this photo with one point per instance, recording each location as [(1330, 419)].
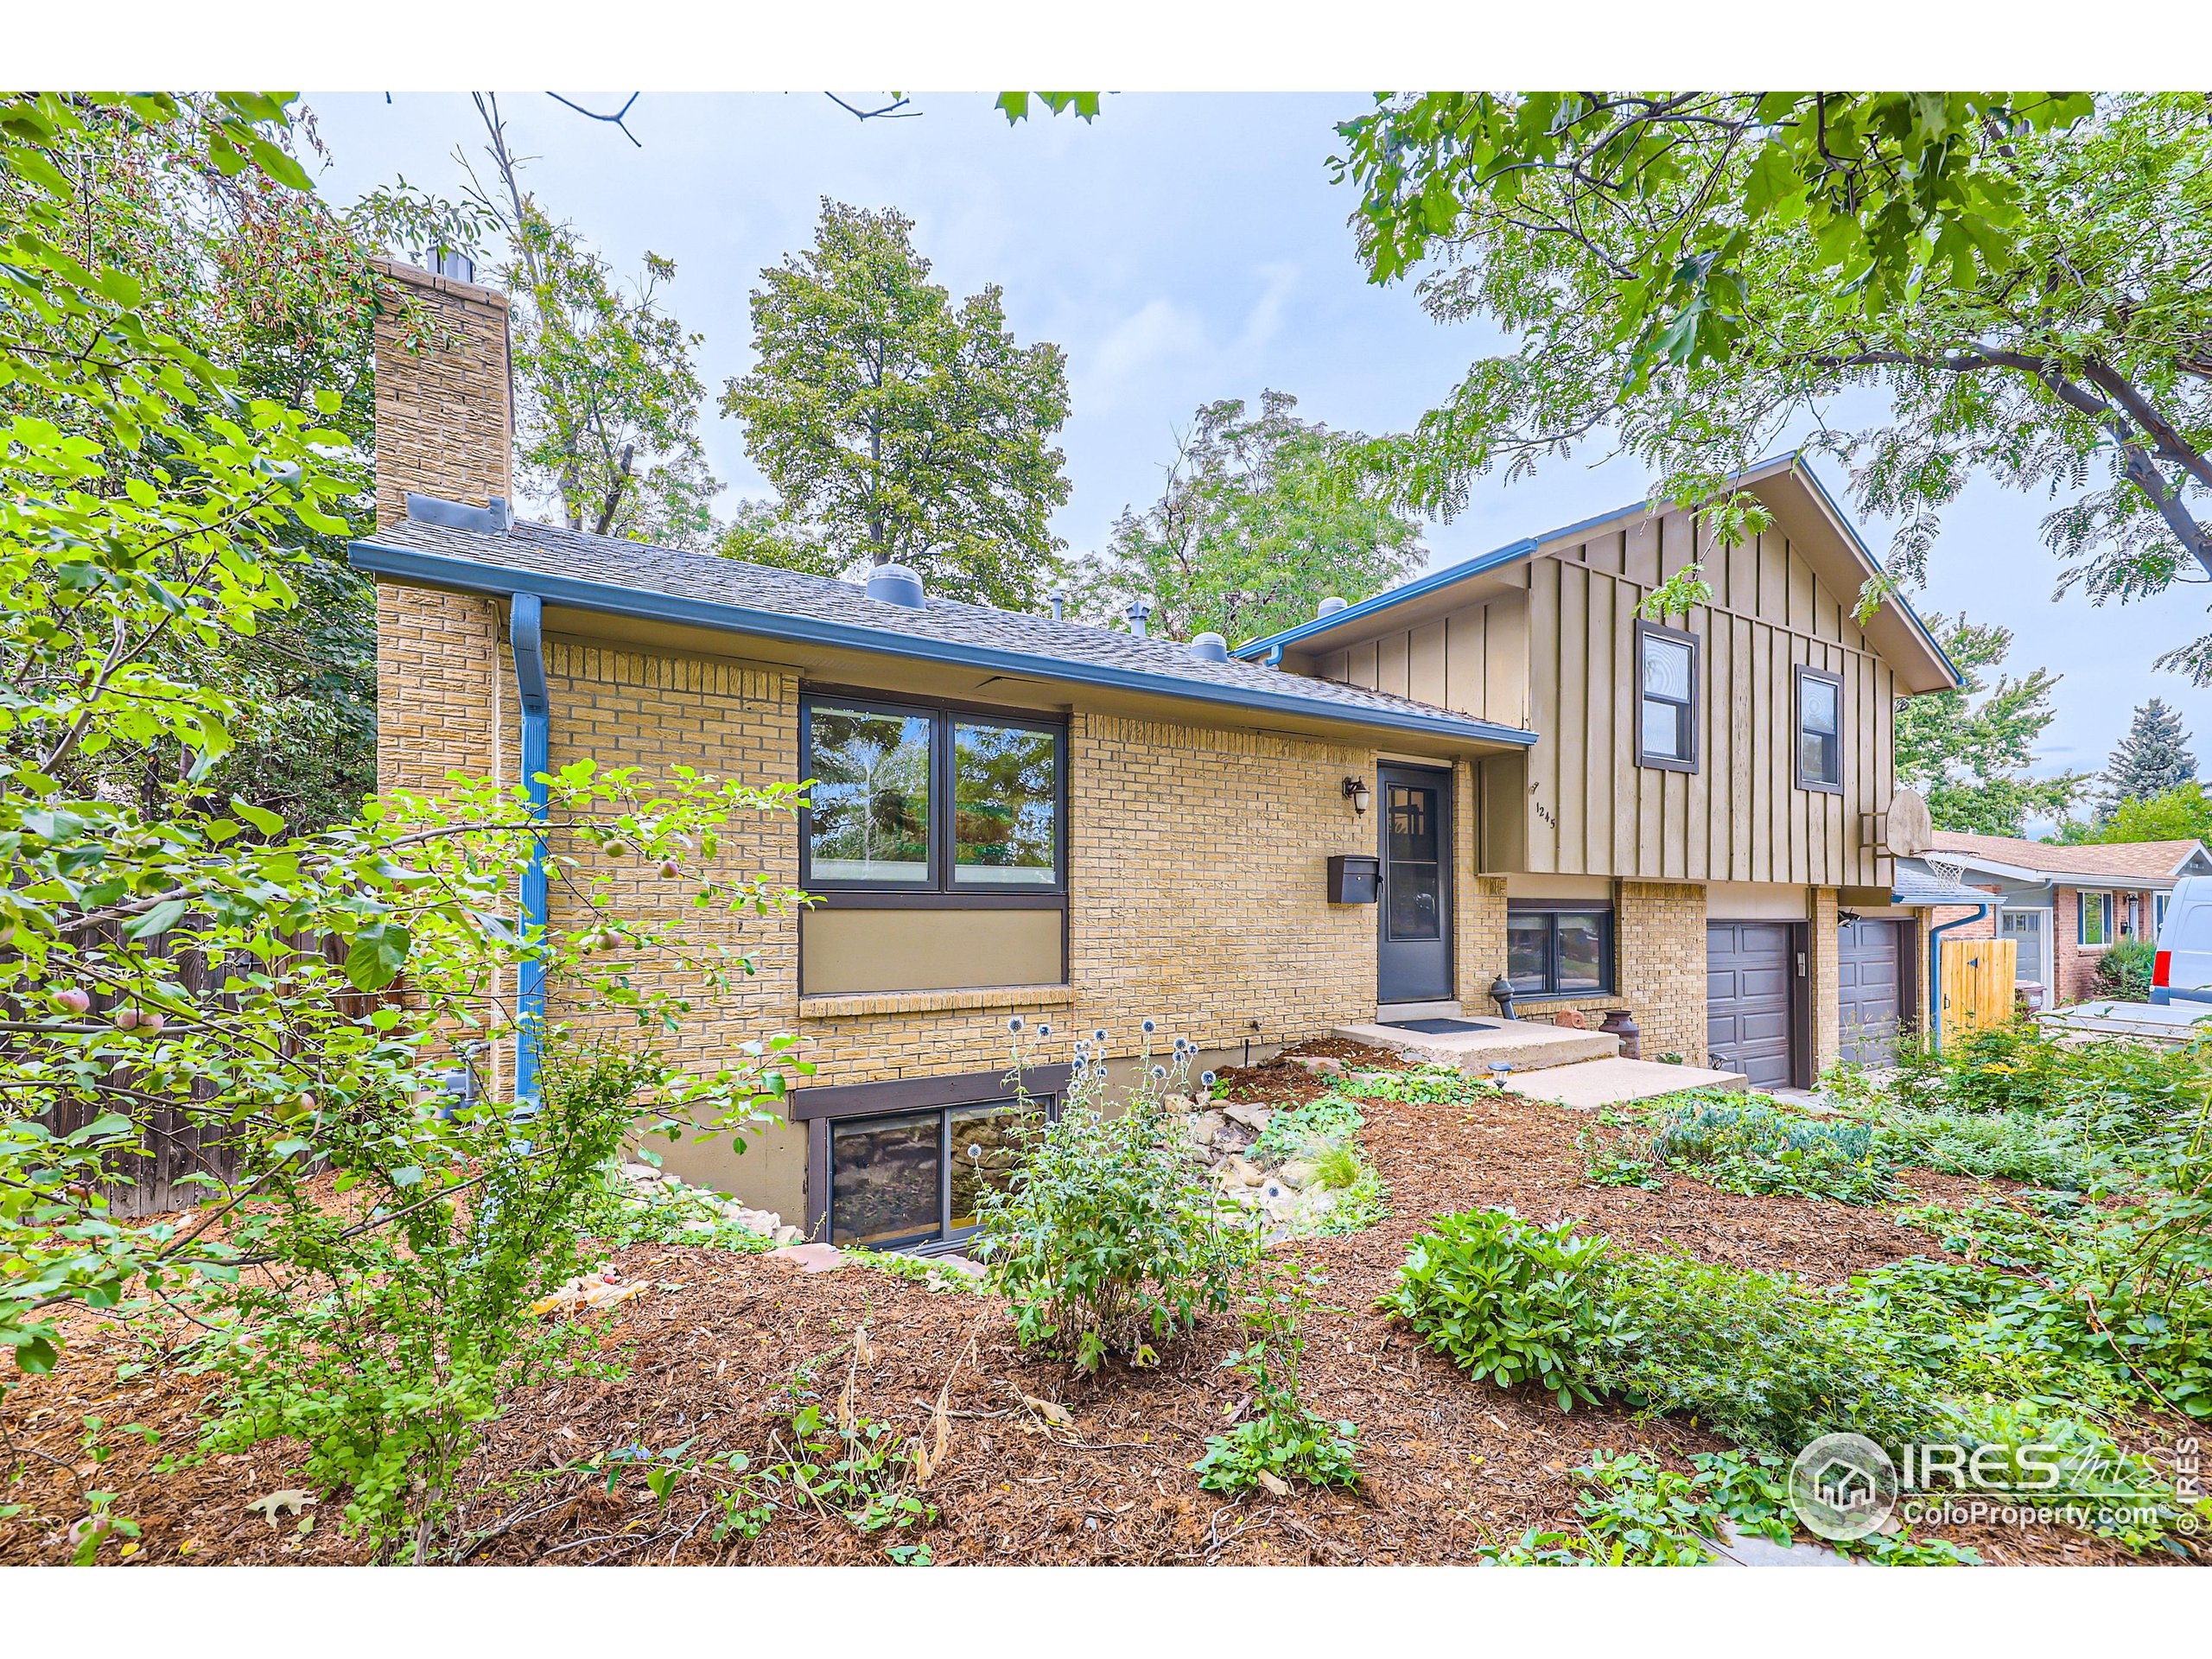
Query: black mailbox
[(1353, 877)]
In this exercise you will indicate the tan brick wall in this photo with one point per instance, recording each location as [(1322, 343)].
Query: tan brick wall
[(1827, 970), (445, 415), (439, 667), (1197, 864), (1659, 946)]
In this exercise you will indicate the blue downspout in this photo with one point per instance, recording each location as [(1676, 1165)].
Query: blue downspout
[(525, 633), (1935, 973)]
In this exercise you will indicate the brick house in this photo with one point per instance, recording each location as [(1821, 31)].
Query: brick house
[(2064, 906), (1682, 824)]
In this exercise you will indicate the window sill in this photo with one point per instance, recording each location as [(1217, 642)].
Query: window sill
[(848, 1005), (1542, 999)]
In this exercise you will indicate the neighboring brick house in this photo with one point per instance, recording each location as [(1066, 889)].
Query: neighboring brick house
[(1016, 814), (2064, 906)]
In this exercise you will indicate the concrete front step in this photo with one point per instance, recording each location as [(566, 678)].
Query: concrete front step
[(1522, 1045), (1592, 1083)]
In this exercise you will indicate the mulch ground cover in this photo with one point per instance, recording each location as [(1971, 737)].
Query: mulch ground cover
[(1036, 1465)]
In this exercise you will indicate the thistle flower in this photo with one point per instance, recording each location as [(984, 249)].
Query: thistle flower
[(1206, 1078), (1158, 1072), (1148, 1026), (1015, 1023), (1099, 1035), (1044, 1031)]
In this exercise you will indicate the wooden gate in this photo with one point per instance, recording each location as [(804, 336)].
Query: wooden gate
[(1977, 984)]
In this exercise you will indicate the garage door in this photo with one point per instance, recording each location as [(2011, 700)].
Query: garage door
[(1869, 988), (1747, 1000)]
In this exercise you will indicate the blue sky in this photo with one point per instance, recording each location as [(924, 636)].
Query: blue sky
[(1181, 248)]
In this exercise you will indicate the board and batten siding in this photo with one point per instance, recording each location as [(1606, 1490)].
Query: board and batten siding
[(1577, 804)]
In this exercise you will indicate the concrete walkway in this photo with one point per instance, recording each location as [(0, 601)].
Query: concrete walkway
[(1523, 1044), (1592, 1083)]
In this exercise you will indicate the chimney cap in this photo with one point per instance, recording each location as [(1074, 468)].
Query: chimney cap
[(894, 584), (1209, 648), (459, 515)]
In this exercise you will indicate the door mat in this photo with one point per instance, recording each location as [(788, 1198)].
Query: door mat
[(1438, 1028)]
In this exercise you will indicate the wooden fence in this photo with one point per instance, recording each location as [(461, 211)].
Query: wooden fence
[(1976, 981), (178, 1141)]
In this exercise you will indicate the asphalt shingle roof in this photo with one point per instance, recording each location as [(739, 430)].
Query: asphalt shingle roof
[(549, 549), (2153, 860), (1914, 883)]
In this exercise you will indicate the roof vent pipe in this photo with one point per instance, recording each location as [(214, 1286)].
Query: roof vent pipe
[(1209, 648), (1058, 598), (1330, 606), (894, 584), (1139, 611)]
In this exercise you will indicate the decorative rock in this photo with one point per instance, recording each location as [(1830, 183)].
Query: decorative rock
[(791, 1236), (1321, 1066), (1253, 1118), (1179, 1103), (1234, 1172), (808, 1258), (1298, 1172), (643, 1172), (1210, 1123)]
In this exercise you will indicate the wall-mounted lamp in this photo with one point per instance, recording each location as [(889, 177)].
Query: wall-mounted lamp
[(1846, 918), (1357, 792)]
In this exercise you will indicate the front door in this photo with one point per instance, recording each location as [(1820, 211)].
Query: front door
[(1413, 956)]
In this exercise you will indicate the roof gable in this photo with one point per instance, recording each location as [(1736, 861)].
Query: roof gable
[(2147, 861), (1818, 530)]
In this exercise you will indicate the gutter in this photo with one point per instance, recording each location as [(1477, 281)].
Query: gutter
[(472, 577), (1935, 973), (525, 631)]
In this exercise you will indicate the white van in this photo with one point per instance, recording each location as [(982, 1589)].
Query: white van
[(2182, 970)]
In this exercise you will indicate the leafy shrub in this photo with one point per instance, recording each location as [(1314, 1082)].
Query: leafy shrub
[(1506, 1299), (2119, 1093), (1621, 1161), (1757, 1357), (663, 1212), (2012, 1145), (2124, 972), (1282, 1440), (1755, 1148), (383, 1352), (1108, 1242)]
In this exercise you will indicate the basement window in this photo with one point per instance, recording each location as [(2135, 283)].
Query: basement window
[(1665, 704), (906, 1165), (943, 800), (1559, 949)]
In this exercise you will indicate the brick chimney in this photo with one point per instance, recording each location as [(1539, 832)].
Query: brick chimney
[(445, 394), (445, 427)]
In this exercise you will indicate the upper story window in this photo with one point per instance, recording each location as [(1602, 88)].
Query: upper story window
[(908, 798), (1820, 730), (1666, 708)]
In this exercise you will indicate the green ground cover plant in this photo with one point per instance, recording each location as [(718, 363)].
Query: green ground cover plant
[(1282, 1439)]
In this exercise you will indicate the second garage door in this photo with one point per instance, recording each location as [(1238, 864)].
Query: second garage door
[(1747, 1000), (1868, 989)]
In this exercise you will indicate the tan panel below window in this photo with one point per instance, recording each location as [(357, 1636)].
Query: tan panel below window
[(842, 951)]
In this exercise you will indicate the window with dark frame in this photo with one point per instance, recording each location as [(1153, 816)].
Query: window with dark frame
[(906, 1165), (1820, 730), (921, 799), (1667, 672), (1563, 949)]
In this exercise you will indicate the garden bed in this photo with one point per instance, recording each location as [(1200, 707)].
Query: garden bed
[(1036, 1466)]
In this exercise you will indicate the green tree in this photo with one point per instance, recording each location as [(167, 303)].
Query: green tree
[(900, 425), (2025, 277), (2180, 813), (2152, 759), (152, 515), (1261, 518), (274, 293), (1964, 749), (609, 393)]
